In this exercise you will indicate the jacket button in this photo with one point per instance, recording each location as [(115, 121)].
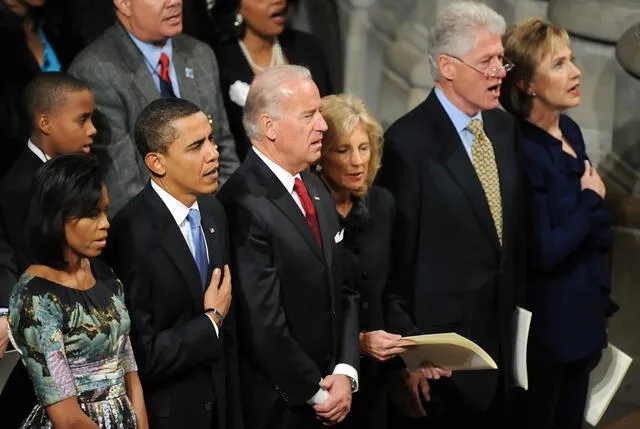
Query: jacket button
[(208, 406), (277, 387)]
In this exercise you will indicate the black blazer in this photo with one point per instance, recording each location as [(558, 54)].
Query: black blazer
[(189, 375), (450, 266), (298, 48), (295, 319), (15, 196), (368, 231)]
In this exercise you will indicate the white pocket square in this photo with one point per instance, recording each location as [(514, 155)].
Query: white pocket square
[(339, 236)]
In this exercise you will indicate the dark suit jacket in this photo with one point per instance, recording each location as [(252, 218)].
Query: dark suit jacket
[(15, 195), (189, 375), (295, 319), (298, 48), (570, 234), (368, 230), (116, 72), (450, 266)]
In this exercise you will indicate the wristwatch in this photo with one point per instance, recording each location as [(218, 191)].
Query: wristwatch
[(354, 385)]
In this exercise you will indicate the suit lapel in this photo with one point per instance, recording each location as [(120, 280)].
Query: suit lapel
[(501, 150), (174, 244), (142, 78), (283, 201), (456, 160), (182, 64), (323, 218), (211, 235)]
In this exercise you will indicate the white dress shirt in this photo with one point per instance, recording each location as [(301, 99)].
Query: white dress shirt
[(287, 180), (38, 152), (179, 212)]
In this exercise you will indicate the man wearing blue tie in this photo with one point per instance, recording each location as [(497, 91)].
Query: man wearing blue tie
[(169, 247)]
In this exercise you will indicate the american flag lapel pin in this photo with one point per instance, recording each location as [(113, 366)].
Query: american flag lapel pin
[(188, 72), (212, 230)]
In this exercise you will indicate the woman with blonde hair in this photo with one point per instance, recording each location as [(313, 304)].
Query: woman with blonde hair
[(350, 159), (570, 230)]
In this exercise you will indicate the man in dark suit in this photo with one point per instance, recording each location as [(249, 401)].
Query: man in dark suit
[(453, 165), (59, 108), (297, 324), (169, 247), (141, 58)]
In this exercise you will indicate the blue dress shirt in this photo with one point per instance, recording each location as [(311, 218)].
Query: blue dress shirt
[(151, 54), (460, 120)]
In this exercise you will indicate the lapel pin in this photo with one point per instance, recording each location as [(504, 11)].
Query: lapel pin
[(188, 72), (316, 198), (212, 230)]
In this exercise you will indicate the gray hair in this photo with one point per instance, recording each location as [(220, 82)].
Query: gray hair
[(266, 94), (456, 30)]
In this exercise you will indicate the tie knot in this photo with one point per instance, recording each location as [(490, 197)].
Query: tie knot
[(194, 218), (164, 60), (299, 187), (475, 126)]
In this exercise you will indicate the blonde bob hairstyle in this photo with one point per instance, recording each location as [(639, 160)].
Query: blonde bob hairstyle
[(343, 112), (527, 44)]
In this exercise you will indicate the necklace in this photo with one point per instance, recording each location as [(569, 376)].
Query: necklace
[(277, 58)]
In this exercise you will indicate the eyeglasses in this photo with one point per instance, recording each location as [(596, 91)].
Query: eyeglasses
[(491, 72)]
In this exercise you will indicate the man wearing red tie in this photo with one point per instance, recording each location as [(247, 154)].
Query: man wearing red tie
[(297, 324)]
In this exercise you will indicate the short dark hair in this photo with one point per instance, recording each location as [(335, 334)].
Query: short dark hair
[(47, 92), (154, 131), (66, 187)]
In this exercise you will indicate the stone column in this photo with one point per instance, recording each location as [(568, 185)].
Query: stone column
[(623, 163), (595, 27)]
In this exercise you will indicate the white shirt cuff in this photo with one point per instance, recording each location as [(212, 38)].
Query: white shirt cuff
[(4, 310), (215, 326), (349, 371)]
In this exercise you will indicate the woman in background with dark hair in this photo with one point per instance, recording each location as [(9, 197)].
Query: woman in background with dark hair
[(67, 313), (34, 38), (251, 37)]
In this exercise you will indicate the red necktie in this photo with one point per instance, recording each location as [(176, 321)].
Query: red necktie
[(166, 89), (309, 209)]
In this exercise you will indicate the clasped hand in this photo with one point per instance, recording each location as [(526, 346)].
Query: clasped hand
[(337, 406)]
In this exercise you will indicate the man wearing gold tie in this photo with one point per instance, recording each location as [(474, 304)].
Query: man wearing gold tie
[(453, 165)]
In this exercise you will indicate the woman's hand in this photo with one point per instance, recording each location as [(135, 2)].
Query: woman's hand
[(592, 180), (382, 345), (434, 372)]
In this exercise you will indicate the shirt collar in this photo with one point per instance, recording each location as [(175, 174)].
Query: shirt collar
[(458, 117), (286, 178), (151, 52), (178, 210), (38, 152)]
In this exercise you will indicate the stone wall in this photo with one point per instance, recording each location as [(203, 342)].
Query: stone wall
[(386, 65)]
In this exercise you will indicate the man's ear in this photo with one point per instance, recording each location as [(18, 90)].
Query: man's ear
[(269, 127), (44, 123), (445, 65), (123, 6), (155, 162)]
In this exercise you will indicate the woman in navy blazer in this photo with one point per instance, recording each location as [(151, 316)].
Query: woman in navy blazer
[(570, 230)]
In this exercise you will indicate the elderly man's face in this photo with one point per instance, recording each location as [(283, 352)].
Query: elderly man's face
[(301, 126), (152, 21), (475, 91)]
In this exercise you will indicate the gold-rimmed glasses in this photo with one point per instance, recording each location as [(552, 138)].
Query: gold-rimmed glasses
[(491, 72)]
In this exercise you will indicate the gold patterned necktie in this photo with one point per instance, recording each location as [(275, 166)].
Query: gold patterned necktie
[(484, 162)]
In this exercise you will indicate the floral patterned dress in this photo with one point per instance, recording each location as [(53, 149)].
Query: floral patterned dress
[(75, 343)]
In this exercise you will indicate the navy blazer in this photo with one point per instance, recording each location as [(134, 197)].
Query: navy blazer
[(569, 234)]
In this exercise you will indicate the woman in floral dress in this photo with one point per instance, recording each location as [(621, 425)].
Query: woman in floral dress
[(67, 313)]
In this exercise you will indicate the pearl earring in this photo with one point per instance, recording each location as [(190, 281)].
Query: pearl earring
[(533, 93), (239, 20)]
